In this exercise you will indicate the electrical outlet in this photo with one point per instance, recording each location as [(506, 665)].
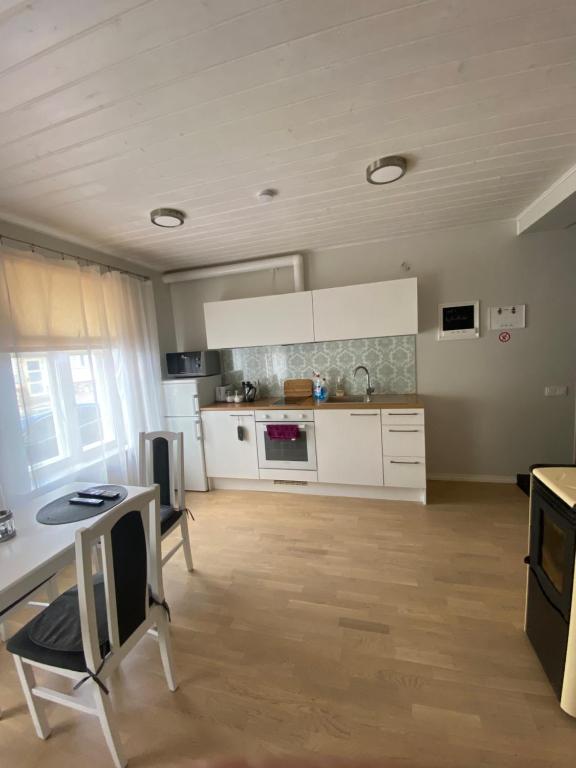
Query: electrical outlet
[(556, 390)]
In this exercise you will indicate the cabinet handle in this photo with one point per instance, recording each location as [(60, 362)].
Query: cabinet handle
[(363, 414), (402, 414), (394, 461), (403, 430), (198, 430)]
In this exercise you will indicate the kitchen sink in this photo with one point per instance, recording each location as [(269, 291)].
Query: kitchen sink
[(374, 398), (347, 399)]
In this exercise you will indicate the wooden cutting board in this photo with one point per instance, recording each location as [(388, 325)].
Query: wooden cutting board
[(298, 387)]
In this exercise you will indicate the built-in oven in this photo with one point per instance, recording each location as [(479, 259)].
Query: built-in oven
[(286, 444)]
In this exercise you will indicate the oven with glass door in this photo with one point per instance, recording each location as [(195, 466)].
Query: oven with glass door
[(286, 451), (549, 600)]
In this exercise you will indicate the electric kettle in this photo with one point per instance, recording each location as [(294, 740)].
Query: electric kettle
[(249, 390)]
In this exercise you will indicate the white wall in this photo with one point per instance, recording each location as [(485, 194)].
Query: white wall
[(486, 411)]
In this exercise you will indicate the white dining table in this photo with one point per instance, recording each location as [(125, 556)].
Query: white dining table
[(39, 551)]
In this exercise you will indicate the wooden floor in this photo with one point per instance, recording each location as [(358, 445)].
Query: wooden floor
[(322, 627)]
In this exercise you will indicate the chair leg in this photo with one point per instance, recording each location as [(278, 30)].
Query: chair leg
[(35, 706), (3, 632), (186, 540), (165, 643), (105, 715)]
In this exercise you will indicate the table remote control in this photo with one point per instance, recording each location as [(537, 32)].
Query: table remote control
[(85, 501), (96, 493)]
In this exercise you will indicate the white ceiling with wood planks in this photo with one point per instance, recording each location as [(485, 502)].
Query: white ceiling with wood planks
[(109, 109)]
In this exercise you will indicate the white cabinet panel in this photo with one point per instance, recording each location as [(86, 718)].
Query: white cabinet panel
[(387, 308), (403, 440), (265, 320), (404, 448), (405, 472), (226, 455), (396, 416), (349, 446)]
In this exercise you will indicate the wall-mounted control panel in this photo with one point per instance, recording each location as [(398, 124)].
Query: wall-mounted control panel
[(459, 320)]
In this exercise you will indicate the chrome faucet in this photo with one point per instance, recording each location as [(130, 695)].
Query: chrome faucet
[(369, 389)]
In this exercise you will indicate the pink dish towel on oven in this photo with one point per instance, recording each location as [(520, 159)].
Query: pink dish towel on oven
[(282, 431)]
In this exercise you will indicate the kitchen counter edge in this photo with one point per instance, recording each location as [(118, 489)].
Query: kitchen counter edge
[(266, 404)]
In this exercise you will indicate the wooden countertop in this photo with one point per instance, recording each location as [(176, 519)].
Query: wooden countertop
[(267, 404)]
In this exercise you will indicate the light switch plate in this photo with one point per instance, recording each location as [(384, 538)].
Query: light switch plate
[(556, 390)]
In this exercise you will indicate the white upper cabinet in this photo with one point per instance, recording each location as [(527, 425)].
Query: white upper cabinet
[(388, 308), (261, 321)]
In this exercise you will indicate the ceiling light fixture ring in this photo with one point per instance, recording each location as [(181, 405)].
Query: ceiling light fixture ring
[(385, 170), (168, 218)]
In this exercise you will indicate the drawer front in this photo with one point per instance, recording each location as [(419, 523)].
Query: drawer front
[(393, 416), (403, 440), (404, 472)]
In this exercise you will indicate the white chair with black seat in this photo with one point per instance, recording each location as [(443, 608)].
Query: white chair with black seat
[(161, 461), (86, 632)]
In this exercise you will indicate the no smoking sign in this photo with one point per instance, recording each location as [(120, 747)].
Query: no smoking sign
[(504, 337)]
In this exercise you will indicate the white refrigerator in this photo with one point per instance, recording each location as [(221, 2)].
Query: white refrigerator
[(183, 399)]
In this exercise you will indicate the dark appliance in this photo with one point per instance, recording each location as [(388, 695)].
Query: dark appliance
[(190, 364), (249, 391), (549, 591)]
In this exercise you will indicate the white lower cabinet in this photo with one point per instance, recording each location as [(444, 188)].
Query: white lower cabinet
[(405, 472), (404, 448), (349, 446), (403, 440), (226, 454)]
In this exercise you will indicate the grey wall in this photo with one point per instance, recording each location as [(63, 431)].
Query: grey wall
[(162, 296), (486, 410)]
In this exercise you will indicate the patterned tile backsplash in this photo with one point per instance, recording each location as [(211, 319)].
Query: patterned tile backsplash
[(390, 360)]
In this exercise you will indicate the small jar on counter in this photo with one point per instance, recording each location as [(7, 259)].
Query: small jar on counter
[(7, 527)]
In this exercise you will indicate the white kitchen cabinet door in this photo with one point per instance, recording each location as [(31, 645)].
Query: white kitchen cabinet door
[(404, 416), (387, 308), (225, 454), (403, 440), (405, 472), (266, 320), (349, 446)]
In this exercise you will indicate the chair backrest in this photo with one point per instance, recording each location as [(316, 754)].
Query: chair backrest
[(129, 535), (161, 461)]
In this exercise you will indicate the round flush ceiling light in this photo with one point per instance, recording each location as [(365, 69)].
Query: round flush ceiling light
[(167, 217), (386, 170), (266, 195)]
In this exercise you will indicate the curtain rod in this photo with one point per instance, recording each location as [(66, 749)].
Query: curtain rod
[(34, 248)]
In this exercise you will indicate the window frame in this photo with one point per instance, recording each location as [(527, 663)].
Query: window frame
[(64, 407)]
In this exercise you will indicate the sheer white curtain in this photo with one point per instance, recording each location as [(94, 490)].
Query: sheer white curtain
[(79, 372)]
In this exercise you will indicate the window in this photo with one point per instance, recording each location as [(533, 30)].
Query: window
[(37, 413), (93, 418), (64, 413), (82, 350)]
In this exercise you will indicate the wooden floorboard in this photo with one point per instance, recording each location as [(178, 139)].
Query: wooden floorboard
[(332, 629)]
